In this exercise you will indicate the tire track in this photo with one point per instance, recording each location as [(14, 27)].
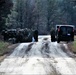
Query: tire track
[(68, 63), (45, 50), (42, 58), (15, 60)]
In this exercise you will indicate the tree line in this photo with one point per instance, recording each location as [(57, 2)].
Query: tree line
[(37, 14), (5, 6)]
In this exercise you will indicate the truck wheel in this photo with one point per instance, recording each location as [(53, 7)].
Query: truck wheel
[(54, 39), (58, 41), (51, 40)]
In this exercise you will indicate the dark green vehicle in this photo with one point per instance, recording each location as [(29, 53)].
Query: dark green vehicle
[(64, 33), (20, 35)]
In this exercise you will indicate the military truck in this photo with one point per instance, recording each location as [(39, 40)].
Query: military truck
[(19, 35), (64, 33)]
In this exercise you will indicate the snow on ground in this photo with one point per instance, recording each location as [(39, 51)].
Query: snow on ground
[(41, 37), (64, 64), (43, 57)]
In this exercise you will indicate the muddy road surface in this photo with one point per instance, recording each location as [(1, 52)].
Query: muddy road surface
[(39, 58)]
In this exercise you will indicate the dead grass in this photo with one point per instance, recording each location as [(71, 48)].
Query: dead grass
[(6, 49), (75, 37), (72, 46), (3, 47)]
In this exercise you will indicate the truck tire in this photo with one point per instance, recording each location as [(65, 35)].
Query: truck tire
[(58, 41), (52, 38)]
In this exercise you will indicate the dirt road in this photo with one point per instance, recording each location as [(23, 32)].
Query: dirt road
[(43, 57)]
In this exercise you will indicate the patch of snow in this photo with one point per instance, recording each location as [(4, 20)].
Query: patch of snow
[(38, 61), (65, 64), (65, 45)]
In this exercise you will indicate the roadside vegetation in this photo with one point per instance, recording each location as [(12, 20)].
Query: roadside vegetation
[(6, 48), (3, 47), (72, 46)]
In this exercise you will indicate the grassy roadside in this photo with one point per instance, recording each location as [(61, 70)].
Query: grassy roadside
[(3, 47), (6, 49), (72, 46), (3, 50)]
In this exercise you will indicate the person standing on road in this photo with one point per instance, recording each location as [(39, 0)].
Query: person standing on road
[(52, 33), (36, 35)]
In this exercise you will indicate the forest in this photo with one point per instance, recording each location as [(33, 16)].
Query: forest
[(36, 14)]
